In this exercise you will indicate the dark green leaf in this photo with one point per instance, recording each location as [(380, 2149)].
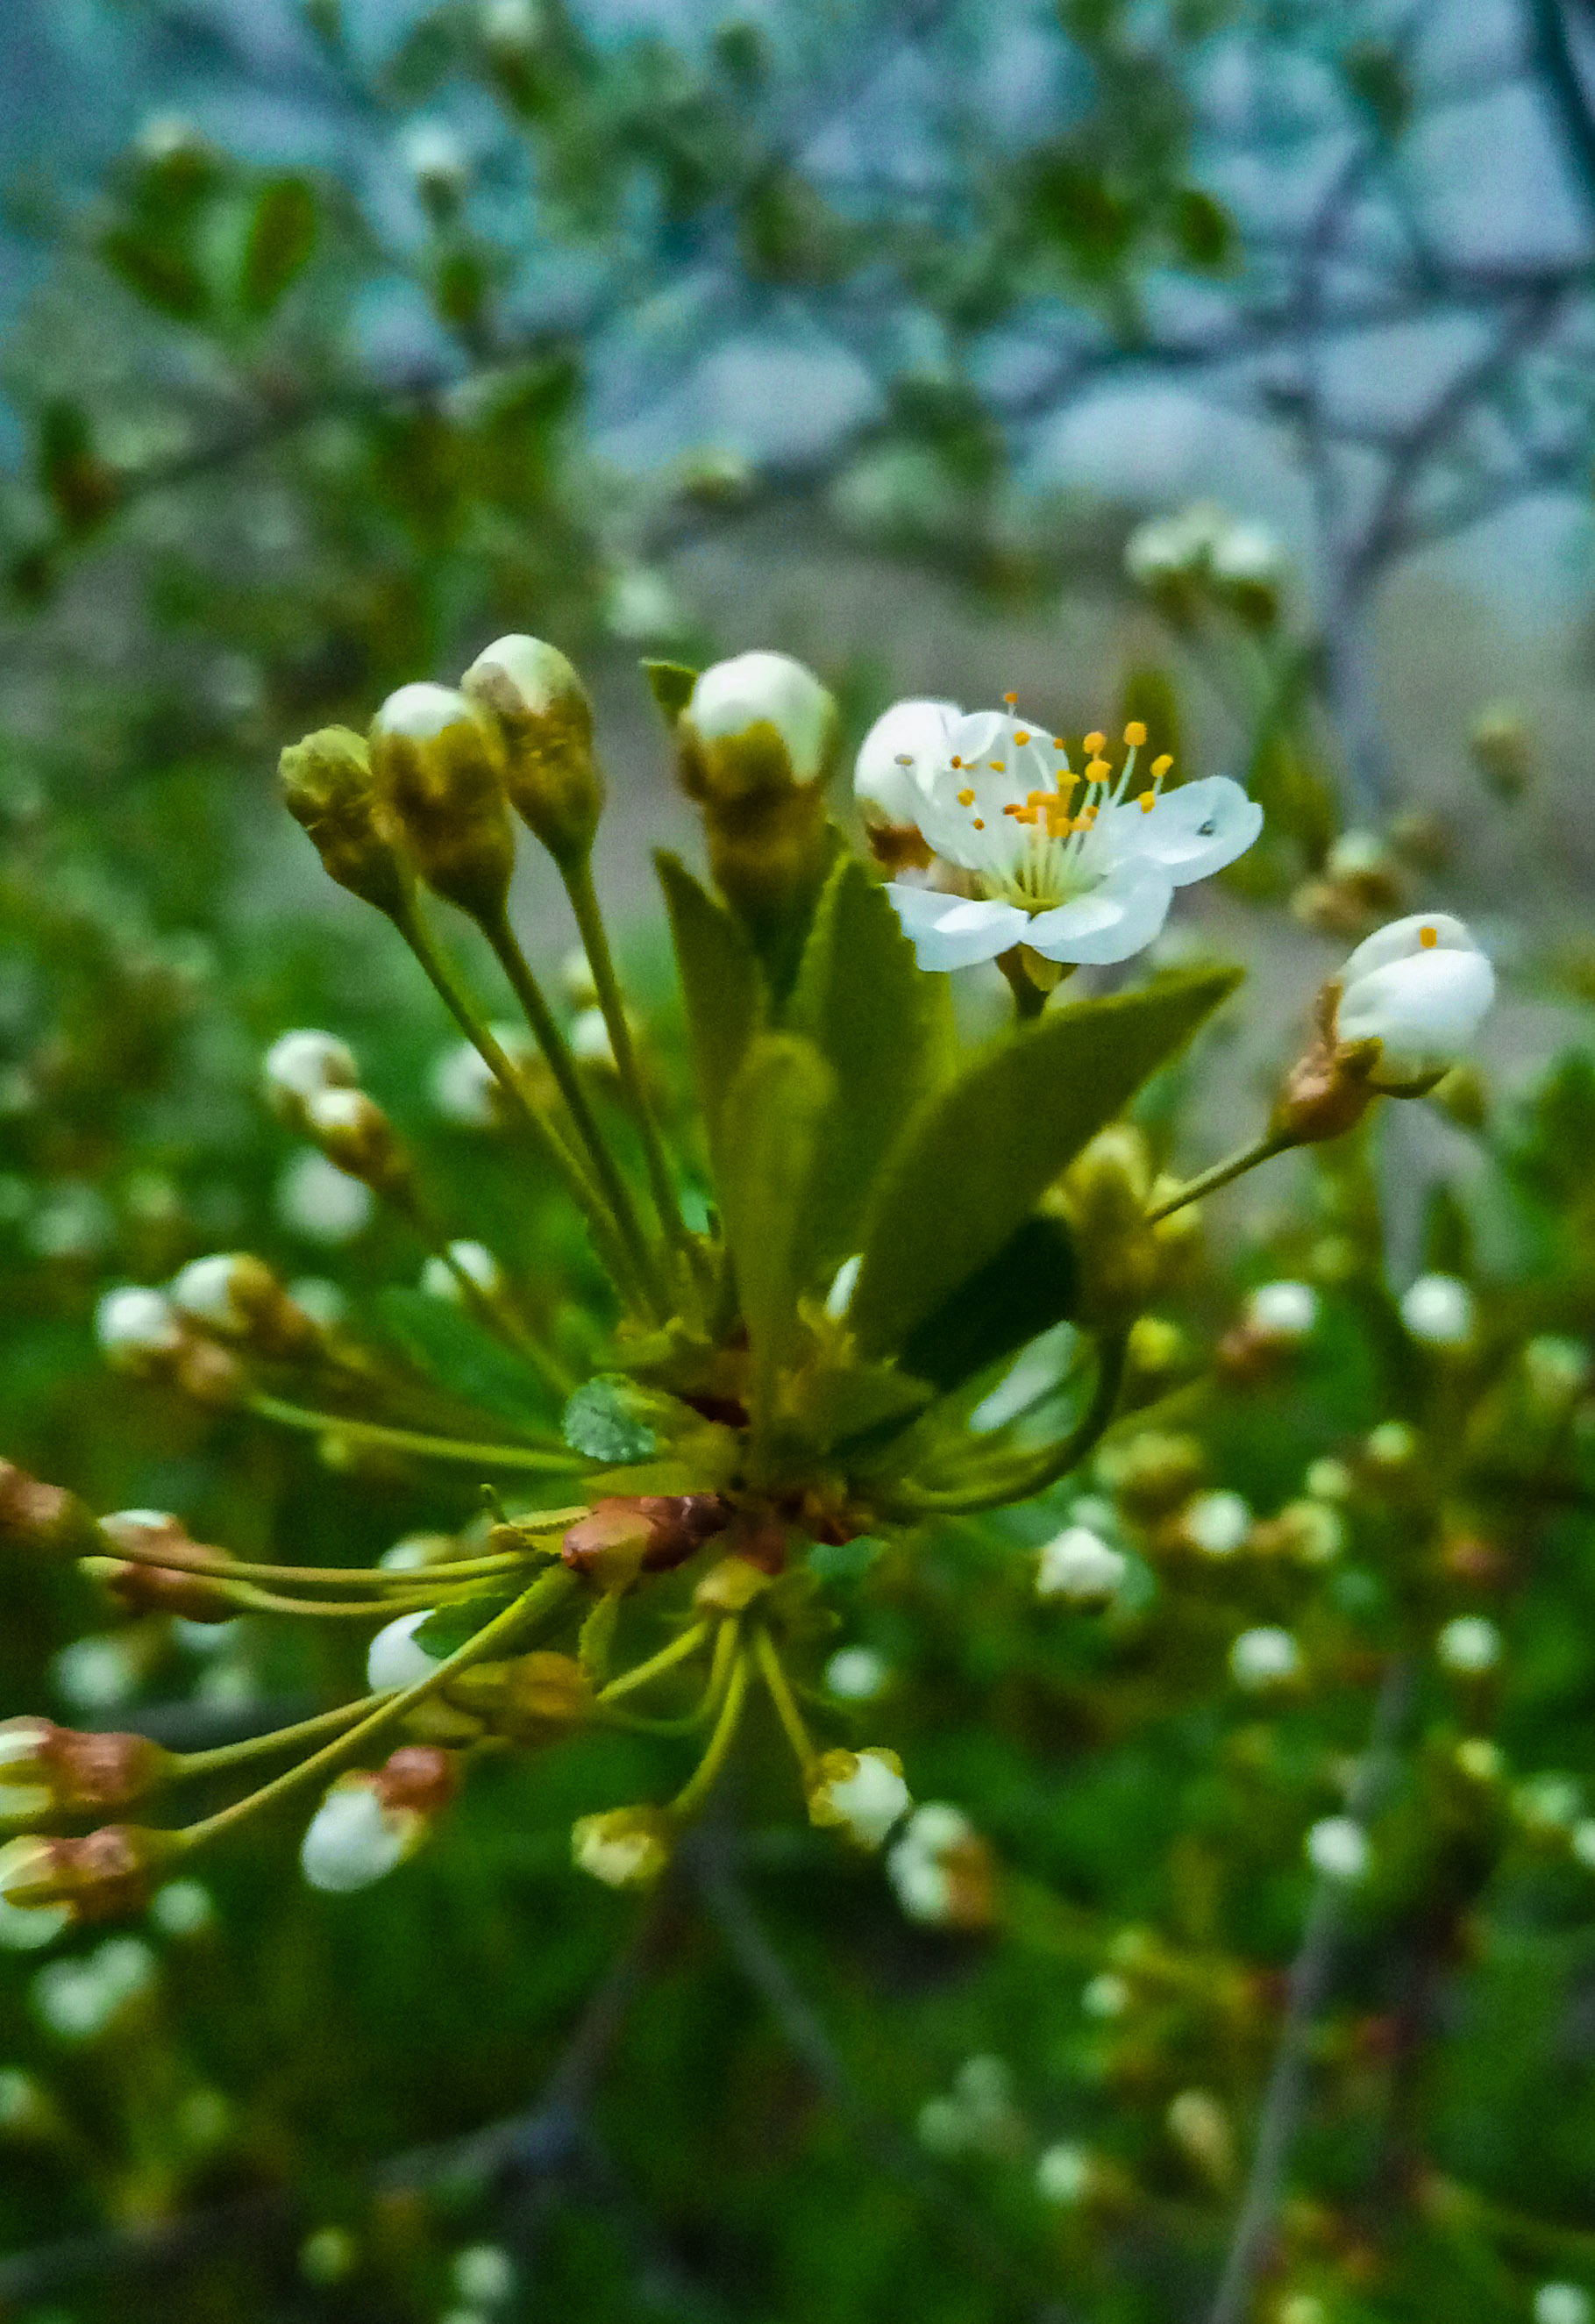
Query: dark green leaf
[(885, 1030), (975, 1161), (721, 987), (773, 1116), (81, 485), (281, 238), (1032, 1282), (608, 1419), (452, 1348), (670, 683), (444, 1633), (1203, 231), (161, 275)]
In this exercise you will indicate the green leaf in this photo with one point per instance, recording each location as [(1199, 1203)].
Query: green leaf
[(444, 1633), (721, 986), (452, 1348), (1032, 1282), (884, 1027), (282, 236), (773, 1115), (162, 276), (670, 683), (610, 1419), (972, 1165), (845, 1561), (1203, 231)]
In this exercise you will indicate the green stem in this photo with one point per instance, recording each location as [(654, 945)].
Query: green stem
[(1208, 1182), (589, 920), (332, 1577), (525, 1458), (568, 1080), (644, 1674), (546, 1594), (252, 1600), (996, 1485), (781, 1693), (255, 1747), (696, 1790), (495, 1316)]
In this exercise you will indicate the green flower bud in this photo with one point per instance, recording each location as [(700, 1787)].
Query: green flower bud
[(755, 726), (326, 784), (440, 776), (528, 690)]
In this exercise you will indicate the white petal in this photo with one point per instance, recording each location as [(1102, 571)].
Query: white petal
[(973, 737), (1117, 917), (950, 932), (1191, 833), (395, 1660), (1424, 1006), (1402, 938), (908, 730)]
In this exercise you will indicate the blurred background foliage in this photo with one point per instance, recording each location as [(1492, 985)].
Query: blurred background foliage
[(339, 339)]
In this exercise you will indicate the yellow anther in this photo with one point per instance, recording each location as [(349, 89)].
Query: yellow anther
[(966, 799), (1088, 817), (903, 759), (998, 766), (1095, 743), (1148, 801), (1097, 768), (979, 824), (1428, 938), (1160, 767), (957, 762), (1021, 733), (1038, 797), (1011, 697), (1135, 734)]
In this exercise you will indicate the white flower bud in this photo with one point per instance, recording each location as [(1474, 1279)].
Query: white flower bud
[(1064, 2174), (98, 1673), (907, 743), (321, 1203), (861, 1794), (484, 2274), (355, 1838), (1469, 1645), (1581, 1840), (590, 1044), (1422, 988), (417, 1549), (1106, 1996), (1337, 1848), (1284, 1311), (1078, 1565), (135, 1325), (856, 1675), (1439, 1309), (1218, 1524), (24, 1928), (435, 158), (1330, 1480), (1393, 1444), (1263, 1657), (206, 1291), (732, 702), (440, 1281), (395, 1660), (1561, 2303), (1246, 555), (941, 1870), (299, 1063), (78, 1999), (628, 1848), (182, 1908), (1556, 1370), (840, 1294), (1548, 1804), (464, 1087)]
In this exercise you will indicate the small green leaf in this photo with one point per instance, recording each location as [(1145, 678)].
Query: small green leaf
[(444, 1633), (1203, 231), (670, 683), (721, 986), (282, 236), (82, 486), (461, 1355), (845, 1561), (972, 1165), (608, 1419), (161, 275), (774, 1112), (884, 1027)]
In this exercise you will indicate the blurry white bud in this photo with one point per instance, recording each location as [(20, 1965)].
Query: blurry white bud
[(513, 25), (169, 137), (1282, 1311), (98, 1672), (298, 1065), (941, 1870), (395, 1660), (576, 978), (640, 605), (590, 1044), (1548, 1804), (1078, 1565), (1218, 1524), (1247, 554), (325, 1303), (78, 1999), (206, 1291), (839, 1295), (182, 1908), (861, 1794), (940, 2126), (440, 1280), (1393, 1444), (1200, 2126), (1301, 2308), (355, 1837), (135, 1325), (464, 1087), (738, 702), (1063, 2174), (416, 1549), (1439, 1310), (327, 2256), (1582, 1842), (484, 2274), (1421, 988), (1166, 551), (1561, 2303), (628, 1848), (856, 1675), (320, 1203), (907, 745), (1479, 1759), (1330, 1480), (1339, 1849), (24, 2105), (435, 158), (1263, 1657), (1106, 1996), (1469, 1645)]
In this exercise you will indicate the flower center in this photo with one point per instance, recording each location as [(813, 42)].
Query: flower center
[(1047, 851)]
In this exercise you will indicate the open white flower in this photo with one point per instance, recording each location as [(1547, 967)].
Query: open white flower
[(1078, 875), (1421, 988)]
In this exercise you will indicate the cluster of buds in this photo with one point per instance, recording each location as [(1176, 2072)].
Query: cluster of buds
[(141, 1584), (1203, 559), (631, 1534), (59, 1884)]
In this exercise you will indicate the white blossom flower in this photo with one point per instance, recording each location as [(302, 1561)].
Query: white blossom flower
[(856, 1675), (732, 700), (133, 1324), (1079, 1565), (1218, 1524), (298, 1065), (1078, 880), (861, 1794), (1337, 1848), (317, 1201), (440, 1280), (1421, 988), (1263, 1657), (1439, 1309), (394, 1659), (355, 1837), (1282, 1311), (1469, 1645)]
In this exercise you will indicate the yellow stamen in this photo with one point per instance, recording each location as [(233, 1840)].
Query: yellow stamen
[(1428, 938), (1135, 734), (1148, 801), (957, 762), (998, 767), (1011, 697), (1097, 768), (1160, 767), (1058, 742), (903, 759), (979, 824), (1095, 743), (966, 799), (1022, 734)]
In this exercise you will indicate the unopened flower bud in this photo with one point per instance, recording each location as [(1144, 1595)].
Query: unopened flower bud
[(1337, 1848), (299, 1065), (1246, 564), (528, 1699), (1265, 1657), (354, 1132), (145, 1588), (395, 1660), (1152, 1471), (1079, 1566), (369, 1822), (1502, 748), (647, 1533), (49, 1770), (1199, 2127), (1104, 1196), (43, 1518), (138, 1330), (625, 1848), (1469, 1647), (1439, 1310), (105, 1875), (900, 751), (1216, 1524), (943, 1871), (440, 1277), (532, 693), (861, 1794), (1310, 1531), (1421, 988), (236, 1294), (328, 786), (1283, 1311), (438, 772), (1064, 2174)]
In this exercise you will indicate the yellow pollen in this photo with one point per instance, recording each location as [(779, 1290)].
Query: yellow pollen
[(966, 799), (1022, 734), (1095, 743), (957, 762), (903, 759), (1135, 734), (1148, 801), (1088, 817), (1058, 742), (1097, 768), (1428, 938), (1160, 767), (1011, 697), (979, 824), (997, 767)]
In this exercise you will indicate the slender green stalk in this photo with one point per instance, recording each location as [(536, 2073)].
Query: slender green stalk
[(568, 1080), (331, 1577), (1208, 1182), (528, 1458), (255, 1747), (644, 1674), (696, 1790), (545, 1595), (495, 1314), (781, 1693), (252, 1601), (589, 920)]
